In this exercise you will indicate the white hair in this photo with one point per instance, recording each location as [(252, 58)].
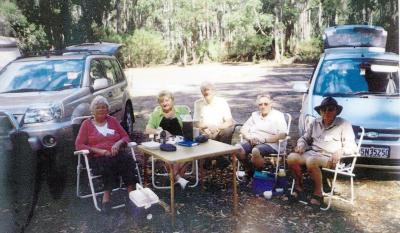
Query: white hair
[(98, 100), (259, 97), (207, 85)]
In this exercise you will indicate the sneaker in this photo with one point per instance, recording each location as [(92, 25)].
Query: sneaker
[(182, 182)]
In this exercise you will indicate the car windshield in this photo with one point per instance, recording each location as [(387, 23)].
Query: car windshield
[(47, 75), (346, 77)]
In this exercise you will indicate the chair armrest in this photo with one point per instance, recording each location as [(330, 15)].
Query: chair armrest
[(81, 152), (132, 144), (349, 156)]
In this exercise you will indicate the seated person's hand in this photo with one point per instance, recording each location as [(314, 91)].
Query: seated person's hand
[(299, 149), (115, 148), (335, 158), (254, 141), (213, 129), (211, 132), (106, 153)]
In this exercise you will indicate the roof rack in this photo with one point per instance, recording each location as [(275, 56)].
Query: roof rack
[(48, 53)]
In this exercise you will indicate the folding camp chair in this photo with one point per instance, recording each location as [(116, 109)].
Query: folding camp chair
[(345, 168), (155, 174), (85, 165), (282, 153)]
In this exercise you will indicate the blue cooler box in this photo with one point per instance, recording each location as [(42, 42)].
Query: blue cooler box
[(282, 182), (262, 181)]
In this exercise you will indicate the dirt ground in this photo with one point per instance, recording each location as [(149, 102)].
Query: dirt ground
[(377, 207)]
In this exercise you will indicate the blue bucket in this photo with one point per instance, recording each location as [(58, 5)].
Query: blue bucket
[(262, 181)]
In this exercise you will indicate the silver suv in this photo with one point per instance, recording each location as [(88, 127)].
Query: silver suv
[(364, 79), (48, 96)]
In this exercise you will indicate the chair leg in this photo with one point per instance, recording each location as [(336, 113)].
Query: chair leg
[(277, 168), (331, 193), (153, 178), (78, 176), (136, 166), (292, 189), (196, 164), (352, 190)]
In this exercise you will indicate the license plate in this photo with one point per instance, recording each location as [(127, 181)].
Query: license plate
[(382, 152)]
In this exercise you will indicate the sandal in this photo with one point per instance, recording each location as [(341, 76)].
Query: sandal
[(316, 201)]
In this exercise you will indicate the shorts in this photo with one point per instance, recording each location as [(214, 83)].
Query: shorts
[(310, 159), (264, 149)]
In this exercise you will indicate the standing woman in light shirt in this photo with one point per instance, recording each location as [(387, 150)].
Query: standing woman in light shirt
[(105, 138)]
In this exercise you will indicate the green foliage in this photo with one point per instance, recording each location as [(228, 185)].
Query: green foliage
[(190, 31), (309, 51), (251, 48), (210, 50), (31, 36), (144, 48)]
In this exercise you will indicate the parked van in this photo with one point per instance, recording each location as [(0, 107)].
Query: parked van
[(364, 79)]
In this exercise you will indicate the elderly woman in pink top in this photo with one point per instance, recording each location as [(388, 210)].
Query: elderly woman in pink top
[(105, 138)]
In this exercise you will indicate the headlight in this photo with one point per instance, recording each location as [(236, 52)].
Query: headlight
[(43, 114)]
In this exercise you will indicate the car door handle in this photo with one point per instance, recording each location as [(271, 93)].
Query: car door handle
[(110, 94)]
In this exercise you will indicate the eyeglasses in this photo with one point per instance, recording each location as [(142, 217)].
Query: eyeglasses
[(328, 109), (261, 104)]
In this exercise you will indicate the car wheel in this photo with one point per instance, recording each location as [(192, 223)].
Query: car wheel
[(19, 184), (55, 166), (129, 119)]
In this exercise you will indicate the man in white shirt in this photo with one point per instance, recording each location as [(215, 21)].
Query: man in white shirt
[(212, 114), (262, 131)]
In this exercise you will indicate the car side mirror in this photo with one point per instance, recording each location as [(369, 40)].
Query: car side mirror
[(100, 83), (300, 86)]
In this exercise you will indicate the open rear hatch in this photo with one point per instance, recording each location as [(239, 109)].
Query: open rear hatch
[(355, 36)]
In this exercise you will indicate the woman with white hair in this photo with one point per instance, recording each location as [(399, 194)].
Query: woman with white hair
[(105, 138)]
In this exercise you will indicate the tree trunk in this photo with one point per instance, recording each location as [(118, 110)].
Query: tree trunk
[(276, 40), (118, 16)]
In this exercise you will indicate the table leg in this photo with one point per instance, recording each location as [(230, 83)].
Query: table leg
[(234, 183), (145, 160), (172, 183), (202, 173)]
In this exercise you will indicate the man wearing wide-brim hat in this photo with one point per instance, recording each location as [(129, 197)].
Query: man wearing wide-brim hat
[(326, 139)]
